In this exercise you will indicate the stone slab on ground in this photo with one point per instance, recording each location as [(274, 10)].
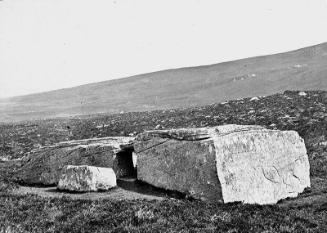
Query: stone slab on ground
[(43, 166), (86, 178), (226, 163)]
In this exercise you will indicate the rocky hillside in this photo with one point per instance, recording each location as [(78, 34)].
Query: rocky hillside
[(303, 69), (305, 112)]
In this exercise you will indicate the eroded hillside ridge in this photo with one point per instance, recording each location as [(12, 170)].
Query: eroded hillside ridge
[(194, 86)]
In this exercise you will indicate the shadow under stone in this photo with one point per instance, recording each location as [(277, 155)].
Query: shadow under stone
[(137, 186)]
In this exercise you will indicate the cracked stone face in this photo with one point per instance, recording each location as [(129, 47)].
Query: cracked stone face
[(267, 165), (226, 163)]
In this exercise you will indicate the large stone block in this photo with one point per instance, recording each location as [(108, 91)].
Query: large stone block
[(43, 166), (226, 163), (86, 178)]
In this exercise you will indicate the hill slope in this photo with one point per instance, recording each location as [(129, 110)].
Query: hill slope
[(304, 69)]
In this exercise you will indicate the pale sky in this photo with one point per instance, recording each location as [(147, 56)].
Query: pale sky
[(52, 44)]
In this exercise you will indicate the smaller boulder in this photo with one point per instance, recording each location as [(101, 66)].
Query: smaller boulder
[(86, 178)]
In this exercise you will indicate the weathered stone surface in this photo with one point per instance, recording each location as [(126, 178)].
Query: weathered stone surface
[(225, 163), (178, 160), (86, 178), (261, 166), (44, 166)]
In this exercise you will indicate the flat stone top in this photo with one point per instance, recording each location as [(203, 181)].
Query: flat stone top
[(117, 143), (194, 134), (89, 169), (81, 167)]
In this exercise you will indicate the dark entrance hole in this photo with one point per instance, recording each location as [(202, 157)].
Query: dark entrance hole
[(123, 165)]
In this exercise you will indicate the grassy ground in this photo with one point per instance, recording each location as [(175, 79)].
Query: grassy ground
[(29, 213), (308, 213)]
